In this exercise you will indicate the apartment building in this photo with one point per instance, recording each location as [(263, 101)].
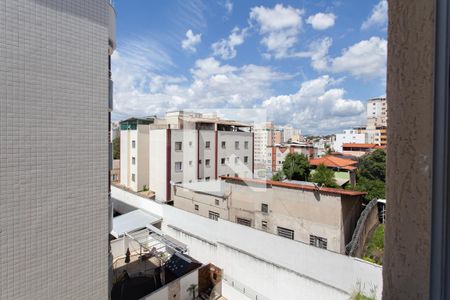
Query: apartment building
[(291, 134), (266, 134), (56, 99), (356, 135), (190, 147), (134, 148), (323, 217), (277, 154), (377, 121)]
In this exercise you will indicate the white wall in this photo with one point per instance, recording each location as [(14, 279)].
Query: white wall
[(125, 144), (274, 267), (348, 137), (157, 163)]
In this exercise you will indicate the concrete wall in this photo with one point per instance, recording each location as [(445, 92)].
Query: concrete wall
[(233, 167), (54, 140), (125, 145), (272, 266), (188, 155), (176, 290), (142, 158), (158, 163), (409, 157)]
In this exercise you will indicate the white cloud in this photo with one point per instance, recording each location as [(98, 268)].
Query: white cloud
[(364, 60), (279, 26), (225, 48), (321, 21), (228, 6), (191, 41), (378, 16), (316, 107)]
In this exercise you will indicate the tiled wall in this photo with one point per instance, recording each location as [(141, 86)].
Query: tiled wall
[(54, 149)]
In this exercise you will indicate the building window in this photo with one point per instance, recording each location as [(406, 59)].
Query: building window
[(224, 145), (178, 166), (245, 159), (214, 216), (207, 178), (284, 232), (133, 144), (208, 145), (245, 222), (133, 177), (217, 202), (222, 161), (178, 146), (133, 160), (246, 145), (190, 143), (207, 162), (318, 241), (236, 145), (196, 207), (264, 208), (190, 163), (236, 160), (199, 161), (264, 225)]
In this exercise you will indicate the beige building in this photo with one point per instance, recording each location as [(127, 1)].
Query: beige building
[(266, 134), (324, 218), (134, 150)]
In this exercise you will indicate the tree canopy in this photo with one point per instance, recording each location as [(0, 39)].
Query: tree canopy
[(296, 166), (116, 148), (278, 176), (324, 176)]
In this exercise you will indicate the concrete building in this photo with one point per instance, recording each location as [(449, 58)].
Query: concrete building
[(291, 134), (325, 218), (277, 154), (377, 112), (56, 97), (190, 147), (357, 135), (134, 153), (266, 134), (359, 149)]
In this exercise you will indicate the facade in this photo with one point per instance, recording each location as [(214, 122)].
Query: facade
[(325, 218), (277, 154), (291, 134), (190, 147), (357, 135), (359, 149), (377, 121), (134, 153), (266, 134), (54, 163)]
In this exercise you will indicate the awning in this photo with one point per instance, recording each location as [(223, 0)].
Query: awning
[(132, 221)]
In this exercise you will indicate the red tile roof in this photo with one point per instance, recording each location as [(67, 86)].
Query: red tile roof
[(296, 186), (334, 162), (357, 145)]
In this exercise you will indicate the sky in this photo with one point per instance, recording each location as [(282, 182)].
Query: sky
[(308, 63)]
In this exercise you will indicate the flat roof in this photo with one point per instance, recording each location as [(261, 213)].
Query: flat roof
[(212, 187), (132, 221), (296, 186)]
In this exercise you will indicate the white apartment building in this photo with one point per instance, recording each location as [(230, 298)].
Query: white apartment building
[(55, 102), (134, 148), (190, 147), (266, 134), (358, 136), (377, 112)]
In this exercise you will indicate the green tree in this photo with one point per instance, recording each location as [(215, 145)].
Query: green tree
[(296, 166), (373, 165), (324, 177), (116, 148), (375, 188), (278, 176)]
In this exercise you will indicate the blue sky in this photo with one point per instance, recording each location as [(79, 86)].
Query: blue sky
[(310, 64)]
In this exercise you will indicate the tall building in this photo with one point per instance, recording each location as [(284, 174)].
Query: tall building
[(266, 134), (291, 134), (183, 147), (134, 145), (377, 121), (55, 92)]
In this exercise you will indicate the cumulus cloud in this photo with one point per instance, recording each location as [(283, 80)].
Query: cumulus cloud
[(228, 6), (279, 27), (191, 41), (364, 60), (317, 107), (226, 48), (321, 21), (378, 16)]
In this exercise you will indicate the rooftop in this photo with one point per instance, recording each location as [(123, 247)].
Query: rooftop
[(334, 162), (305, 187), (360, 145)]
